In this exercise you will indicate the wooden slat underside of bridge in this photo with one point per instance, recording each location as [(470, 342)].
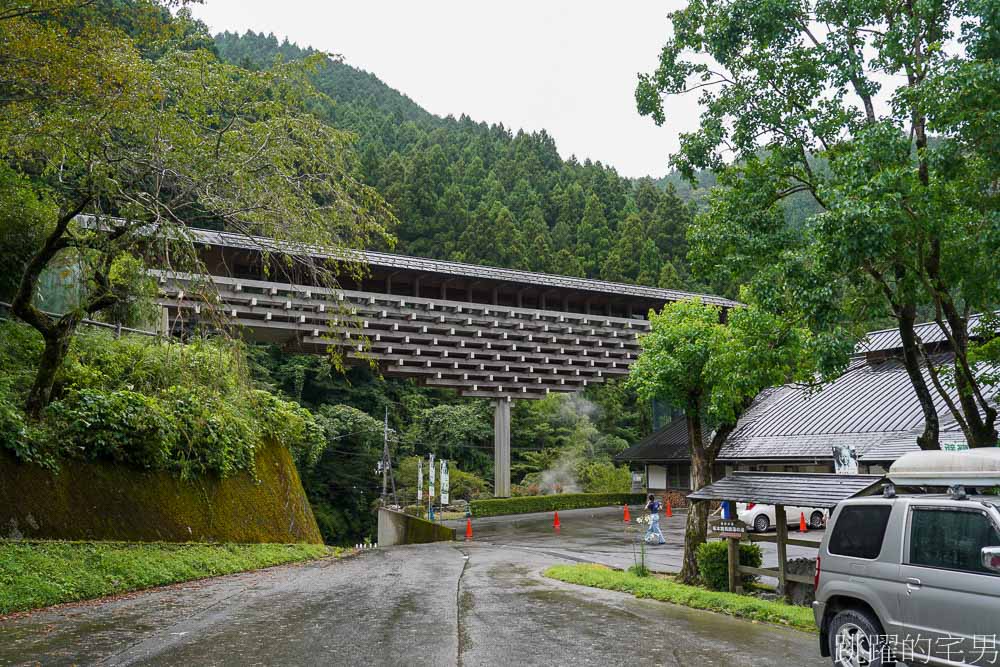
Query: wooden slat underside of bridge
[(478, 349)]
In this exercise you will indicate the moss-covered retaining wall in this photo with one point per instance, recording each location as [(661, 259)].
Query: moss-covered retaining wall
[(101, 501), (400, 528)]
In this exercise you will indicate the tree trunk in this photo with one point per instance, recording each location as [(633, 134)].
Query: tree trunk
[(906, 318), (56, 348), (982, 428), (696, 528), (56, 333)]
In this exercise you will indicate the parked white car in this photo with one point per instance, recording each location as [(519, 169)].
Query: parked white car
[(762, 517)]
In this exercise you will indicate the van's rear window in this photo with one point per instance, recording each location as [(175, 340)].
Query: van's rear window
[(859, 531)]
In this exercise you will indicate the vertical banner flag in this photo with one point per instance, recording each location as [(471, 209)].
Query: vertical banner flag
[(444, 482), (420, 480), (430, 491)]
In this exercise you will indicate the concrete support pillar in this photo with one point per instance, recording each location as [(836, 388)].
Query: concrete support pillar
[(501, 448), (164, 327)]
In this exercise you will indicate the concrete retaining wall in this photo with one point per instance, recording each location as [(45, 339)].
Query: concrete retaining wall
[(399, 528), (104, 501)]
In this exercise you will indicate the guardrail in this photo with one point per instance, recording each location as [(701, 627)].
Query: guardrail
[(118, 328)]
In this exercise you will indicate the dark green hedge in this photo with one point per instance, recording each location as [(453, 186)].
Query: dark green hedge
[(561, 501), (713, 563)]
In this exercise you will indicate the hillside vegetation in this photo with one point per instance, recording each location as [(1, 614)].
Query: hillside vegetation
[(483, 194), (146, 403)]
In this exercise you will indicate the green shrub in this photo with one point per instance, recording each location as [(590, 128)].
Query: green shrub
[(713, 563), (604, 477), (148, 403), (211, 434), (291, 424), (28, 443), (120, 426), (562, 501)]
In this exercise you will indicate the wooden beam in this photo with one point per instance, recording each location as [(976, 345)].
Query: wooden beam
[(791, 541)]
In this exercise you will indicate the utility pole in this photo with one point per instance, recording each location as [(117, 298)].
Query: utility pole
[(385, 455), (387, 464)]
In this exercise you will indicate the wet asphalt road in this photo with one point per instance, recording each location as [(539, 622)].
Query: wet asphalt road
[(478, 603), (600, 535)]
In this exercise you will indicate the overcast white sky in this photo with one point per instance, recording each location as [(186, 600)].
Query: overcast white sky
[(567, 67)]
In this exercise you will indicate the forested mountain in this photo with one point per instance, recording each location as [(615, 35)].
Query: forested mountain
[(479, 193)]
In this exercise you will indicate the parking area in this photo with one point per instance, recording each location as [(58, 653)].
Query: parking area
[(600, 536)]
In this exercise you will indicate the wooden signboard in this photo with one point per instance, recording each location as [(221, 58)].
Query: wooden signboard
[(731, 528)]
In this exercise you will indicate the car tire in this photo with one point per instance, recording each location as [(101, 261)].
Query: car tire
[(856, 639), (816, 520), (761, 523)]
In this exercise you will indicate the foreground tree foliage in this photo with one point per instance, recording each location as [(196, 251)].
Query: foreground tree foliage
[(713, 371), (148, 144), (800, 99)]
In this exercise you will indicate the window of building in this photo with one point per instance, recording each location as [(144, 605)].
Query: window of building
[(678, 475), (951, 539), (859, 531)]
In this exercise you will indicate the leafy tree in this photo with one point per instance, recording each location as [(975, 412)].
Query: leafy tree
[(341, 485), (649, 264), (149, 147), (712, 371), (462, 432), (800, 97), (493, 238), (565, 263), (537, 241), (668, 277), (593, 238), (24, 211), (622, 263)]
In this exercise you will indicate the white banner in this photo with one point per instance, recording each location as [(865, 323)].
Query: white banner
[(845, 460), (420, 480), (430, 491), (444, 482)]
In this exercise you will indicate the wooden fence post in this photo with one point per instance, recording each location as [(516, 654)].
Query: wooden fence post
[(782, 538), (735, 580)]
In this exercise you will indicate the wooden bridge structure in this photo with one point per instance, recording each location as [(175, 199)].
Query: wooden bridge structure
[(485, 332)]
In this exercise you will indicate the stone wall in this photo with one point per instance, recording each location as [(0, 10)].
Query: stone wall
[(103, 501)]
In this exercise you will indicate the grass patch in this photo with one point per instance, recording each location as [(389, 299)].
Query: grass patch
[(555, 501), (39, 574), (667, 590)]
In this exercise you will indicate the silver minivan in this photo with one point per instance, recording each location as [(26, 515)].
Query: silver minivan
[(911, 578)]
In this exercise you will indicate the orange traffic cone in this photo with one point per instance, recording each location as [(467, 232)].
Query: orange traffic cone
[(627, 516), (670, 512), (802, 523), (468, 529), (555, 524)]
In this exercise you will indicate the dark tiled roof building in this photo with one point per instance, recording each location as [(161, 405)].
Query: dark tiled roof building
[(871, 407)]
